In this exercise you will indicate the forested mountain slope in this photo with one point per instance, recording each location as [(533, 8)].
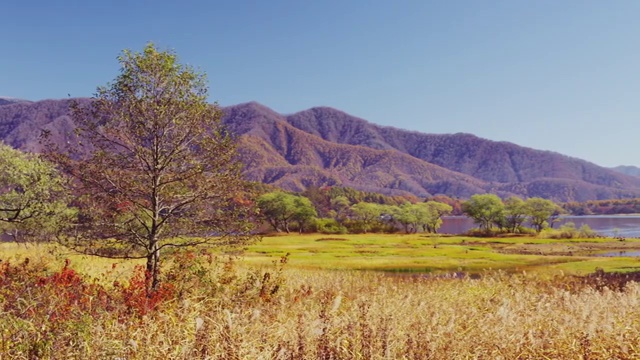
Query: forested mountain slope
[(327, 147)]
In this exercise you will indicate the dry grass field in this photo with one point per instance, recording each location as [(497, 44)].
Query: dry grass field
[(216, 307)]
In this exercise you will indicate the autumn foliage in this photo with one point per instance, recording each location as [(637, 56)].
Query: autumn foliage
[(210, 307)]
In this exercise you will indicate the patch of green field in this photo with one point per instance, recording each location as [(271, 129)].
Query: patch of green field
[(590, 265), (422, 253), (415, 253)]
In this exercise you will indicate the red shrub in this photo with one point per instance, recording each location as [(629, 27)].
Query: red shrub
[(137, 295)]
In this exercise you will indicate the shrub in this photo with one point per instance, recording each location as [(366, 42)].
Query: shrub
[(355, 226), (568, 231), (329, 226), (491, 232), (586, 232)]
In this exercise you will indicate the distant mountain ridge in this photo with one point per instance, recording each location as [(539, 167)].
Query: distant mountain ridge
[(326, 147), (498, 167), (488, 160), (627, 170), (9, 100)]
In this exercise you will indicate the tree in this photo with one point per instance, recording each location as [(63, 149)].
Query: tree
[(277, 209), (319, 198), (515, 213), (305, 212), (340, 207), (541, 211), (154, 165), (426, 215), (33, 196), (280, 209), (484, 209), (434, 213), (406, 215), (366, 213)]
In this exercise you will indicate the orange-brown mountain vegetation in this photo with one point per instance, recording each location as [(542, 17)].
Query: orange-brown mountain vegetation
[(326, 147)]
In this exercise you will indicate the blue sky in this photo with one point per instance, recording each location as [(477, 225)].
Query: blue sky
[(553, 75)]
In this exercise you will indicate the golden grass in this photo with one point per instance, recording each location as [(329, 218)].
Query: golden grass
[(226, 311), (54, 254)]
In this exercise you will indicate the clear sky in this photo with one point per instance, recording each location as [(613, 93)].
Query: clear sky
[(560, 75)]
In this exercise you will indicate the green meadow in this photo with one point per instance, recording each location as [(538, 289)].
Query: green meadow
[(413, 253), (419, 253)]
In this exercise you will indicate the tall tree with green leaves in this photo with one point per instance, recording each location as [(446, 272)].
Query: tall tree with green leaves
[(277, 209), (434, 211), (515, 213), (340, 207), (367, 214), (541, 212), (484, 209), (425, 216), (406, 215), (282, 209), (154, 165), (305, 212), (33, 197)]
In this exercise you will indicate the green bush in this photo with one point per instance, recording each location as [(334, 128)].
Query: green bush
[(586, 232), (329, 226), (569, 231), (375, 227), (491, 232)]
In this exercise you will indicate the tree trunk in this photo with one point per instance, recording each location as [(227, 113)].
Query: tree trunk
[(274, 224), (153, 269)]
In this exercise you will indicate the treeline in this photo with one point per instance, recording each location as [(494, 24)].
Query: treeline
[(603, 207), (339, 210), (334, 210), (515, 215), (322, 198), (512, 215)]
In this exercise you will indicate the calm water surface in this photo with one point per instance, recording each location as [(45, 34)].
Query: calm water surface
[(627, 226)]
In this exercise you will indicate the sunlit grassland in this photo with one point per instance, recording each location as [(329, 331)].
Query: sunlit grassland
[(423, 253), (92, 266), (413, 253), (224, 313), (259, 306)]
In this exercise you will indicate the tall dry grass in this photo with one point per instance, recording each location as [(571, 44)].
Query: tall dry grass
[(218, 310)]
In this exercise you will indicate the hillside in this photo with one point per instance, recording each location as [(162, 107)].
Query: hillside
[(500, 162), (9, 100), (277, 153), (21, 123), (509, 167), (627, 170), (326, 147)]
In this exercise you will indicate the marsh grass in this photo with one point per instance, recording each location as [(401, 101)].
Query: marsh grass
[(220, 308), (423, 253)]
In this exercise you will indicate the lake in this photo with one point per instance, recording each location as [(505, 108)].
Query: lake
[(627, 226)]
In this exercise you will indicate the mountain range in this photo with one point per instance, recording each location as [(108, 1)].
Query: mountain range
[(628, 170), (9, 100), (327, 147)]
